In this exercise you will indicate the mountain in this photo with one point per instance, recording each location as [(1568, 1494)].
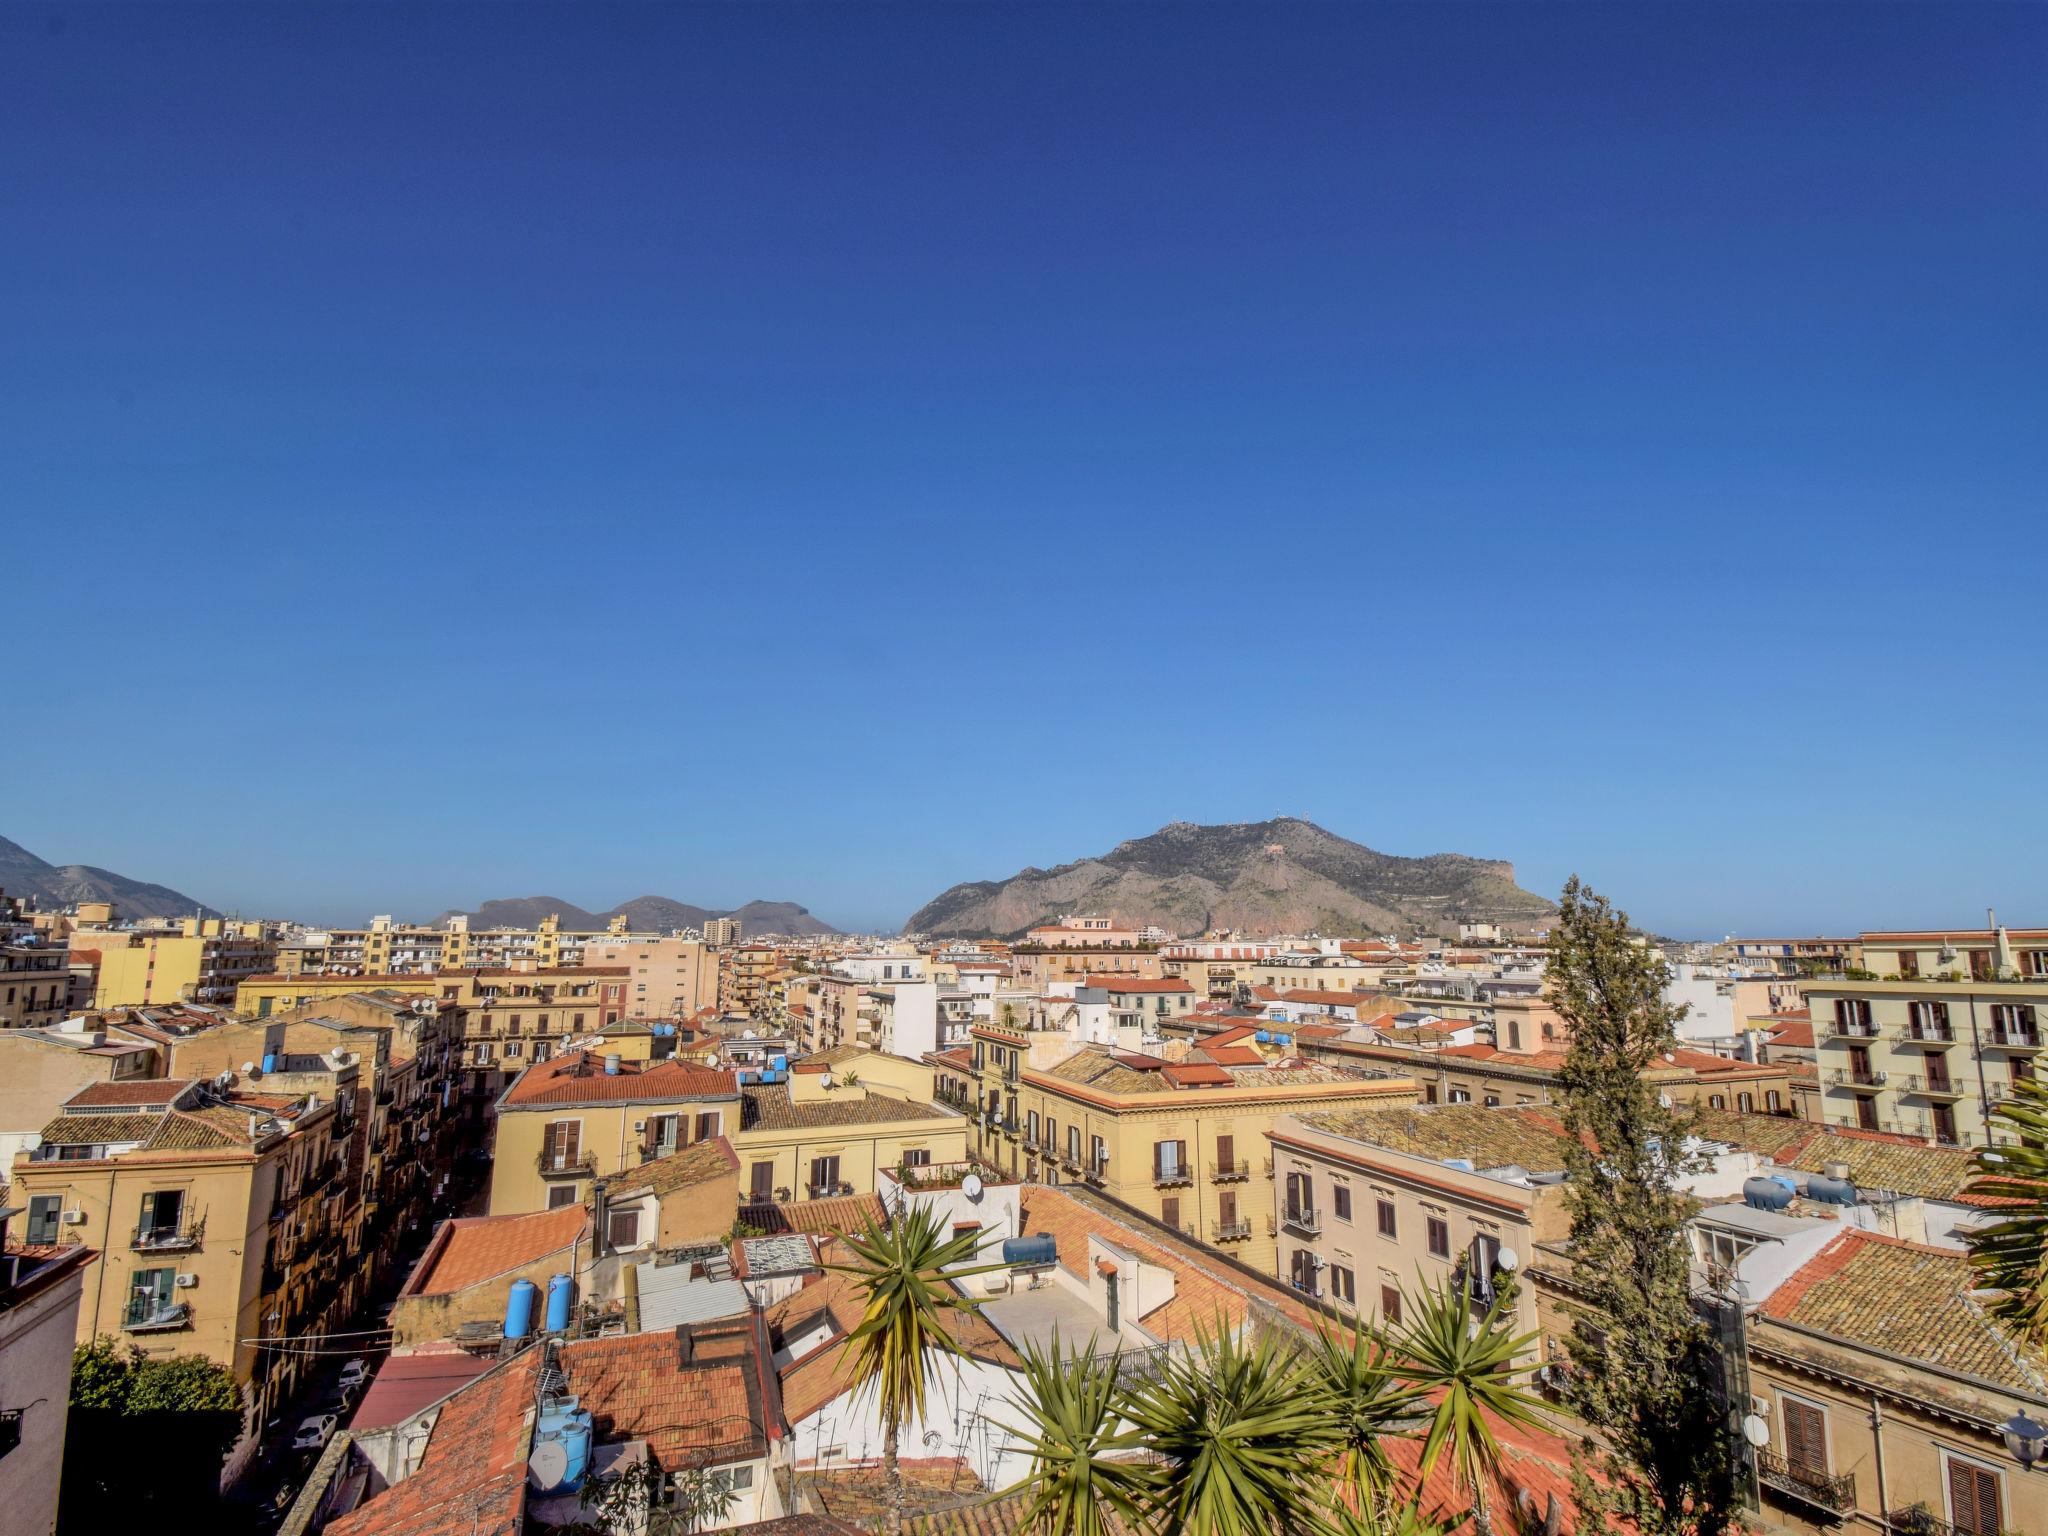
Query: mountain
[(644, 914), (1265, 877), (62, 885)]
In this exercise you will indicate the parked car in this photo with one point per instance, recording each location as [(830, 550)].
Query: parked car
[(314, 1433), (355, 1373)]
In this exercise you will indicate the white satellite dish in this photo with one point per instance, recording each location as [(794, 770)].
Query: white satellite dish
[(548, 1464), (1507, 1259), (825, 1080), (1756, 1431), (971, 1186)]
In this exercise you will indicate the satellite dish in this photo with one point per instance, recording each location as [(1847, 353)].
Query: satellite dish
[(1507, 1259), (971, 1186), (825, 1080), (548, 1464), (1756, 1431)]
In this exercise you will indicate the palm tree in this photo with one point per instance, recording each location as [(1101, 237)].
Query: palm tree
[(2012, 1254), (1463, 1369), (902, 1336), (1088, 1476), (1241, 1433), (1365, 1399)]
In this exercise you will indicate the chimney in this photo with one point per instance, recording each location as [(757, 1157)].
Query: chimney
[(686, 1347), (600, 1211)]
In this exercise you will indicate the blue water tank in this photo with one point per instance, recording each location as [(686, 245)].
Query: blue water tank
[(519, 1309), (566, 1424), (1263, 1036), (270, 1061), (561, 1292), (1767, 1194), (1830, 1191), (1038, 1248), (1282, 1039), (778, 1062)]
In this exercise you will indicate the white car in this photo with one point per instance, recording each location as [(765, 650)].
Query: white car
[(315, 1432), (355, 1373)]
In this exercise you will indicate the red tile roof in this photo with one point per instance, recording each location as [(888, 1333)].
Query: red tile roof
[(472, 1478), (1228, 1055), (716, 1406), (1138, 983), (579, 1077), (840, 1213), (153, 1090), (471, 1249)]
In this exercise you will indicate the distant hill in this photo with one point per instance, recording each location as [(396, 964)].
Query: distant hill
[(1265, 877), (645, 914), (63, 885)]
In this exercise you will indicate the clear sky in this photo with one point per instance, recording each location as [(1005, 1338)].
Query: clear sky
[(827, 454)]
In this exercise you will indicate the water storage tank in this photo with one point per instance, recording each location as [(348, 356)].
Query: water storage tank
[(561, 1448), (611, 1064), (1766, 1194), (1830, 1191), (561, 1291), (519, 1309), (270, 1061), (1263, 1036), (1039, 1248), (779, 1063)]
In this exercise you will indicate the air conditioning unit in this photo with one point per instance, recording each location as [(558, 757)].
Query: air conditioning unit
[(639, 1127), (186, 1282), (1319, 1261), (74, 1218)]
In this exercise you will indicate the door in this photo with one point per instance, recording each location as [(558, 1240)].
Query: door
[(1973, 1504), (1945, 1124), (1866, 1114), (1859, 1063), (1226, 1155), (1806, 1437), (160, 1212), (763, 1182), (824, 1176), (1226, 1209)]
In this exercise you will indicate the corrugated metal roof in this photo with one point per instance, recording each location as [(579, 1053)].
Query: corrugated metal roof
[(668, 1296)]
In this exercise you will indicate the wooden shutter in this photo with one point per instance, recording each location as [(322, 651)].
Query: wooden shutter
[(1806, 1436), (1158, 1158), (1226, 1154), (1226, 1207), (764, 1181), (1169, 1210), (1973, 1499)]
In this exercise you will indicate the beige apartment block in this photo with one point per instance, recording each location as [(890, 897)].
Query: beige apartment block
[(201, 960), (1370, 1202), (666, 978), (1924, 1058), (35, 981), (1183, 1142)]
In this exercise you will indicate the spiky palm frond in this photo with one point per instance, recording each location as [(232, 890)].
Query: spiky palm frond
[(1242, 1432), (1367, 1401), (2011, 1255), (1465, 1369), (1088, 1474)]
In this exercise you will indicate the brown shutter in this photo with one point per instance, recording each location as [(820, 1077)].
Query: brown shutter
[(1806, 1437), (1180, 1157), (1158, 1158), (764, 1181), (1973, 1499), (1226, 1154), (1169, 1210), (1226, 1207)]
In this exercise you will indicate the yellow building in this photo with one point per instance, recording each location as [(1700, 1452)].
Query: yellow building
[(200, 960), (1183, 1141), (219, 1220), (35, 974)]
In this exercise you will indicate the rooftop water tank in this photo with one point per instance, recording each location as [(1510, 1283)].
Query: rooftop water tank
[(1263, 1036), (1767, 1194), (561, 1448), (1038, 1248), (611, 1064), (561, 1292), (1830, 1191), (778, 1062), (519, 1309), (270, 1061)]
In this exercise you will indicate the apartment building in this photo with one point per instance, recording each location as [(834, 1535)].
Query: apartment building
[(1371, 1199), (669, 978), (1036, 967), (40, 1290), (721, 932), (744, 975), (386, 948), (35, 971), (197, 960), (1791, 958), (41, 1068), (218, 1218), (1216, 968), (815, 1133), (1923, 1057), (1180, 1141)]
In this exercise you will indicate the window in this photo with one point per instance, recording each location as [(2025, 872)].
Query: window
[(1343, 1285), (43, 1214), (150, 1296), (1386, 1219), (1461, 1096), (1031, 1127), (1340, 1201), (1100, 1160), (1493, 1101), (1514, 1034), (1717, 1100), (1169, 1210), (562, 1144), (762, 1181), (1390, 1304), (625, 1229), (1746, 1102), (1973, 1502), (162, 1214), (1771, 1100), (1169, 1160), (1806, 1436), (824, 1176), (1439, 1237)]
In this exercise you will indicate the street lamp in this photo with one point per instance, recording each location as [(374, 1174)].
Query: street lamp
[(2024, 1438)]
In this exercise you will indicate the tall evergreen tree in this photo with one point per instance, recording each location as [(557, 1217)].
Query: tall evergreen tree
[(1642, 1359)]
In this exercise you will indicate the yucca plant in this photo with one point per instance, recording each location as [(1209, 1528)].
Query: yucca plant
[(1243, 1436), (1088, 1474), (1366, 1401), (1385, 1517), (1463, 1368), (902, 1336), (2011, 1255)]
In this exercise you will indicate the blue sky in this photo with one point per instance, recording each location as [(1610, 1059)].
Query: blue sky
[(827, 454)]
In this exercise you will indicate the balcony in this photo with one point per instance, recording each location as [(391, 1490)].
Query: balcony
[(1302, 1219), (172, 1239), (1231, 1173), (1231, 1231), (2014, 1039), (828, 1190), (154, 1316), (1931, 1087), (1936, 1035), (1862, 1029), (1167, 1176), (1305, 1286), (1097, 1171), (565, 1164), (1833, 1496), (1011, 1127), (1850, 1077)]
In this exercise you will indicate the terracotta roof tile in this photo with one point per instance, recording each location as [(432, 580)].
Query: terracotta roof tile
[(1489, 1138), (472, 1249), (137, 1091), (579, 1077), (771, 1108), (841, 1213), (713, 1408)]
